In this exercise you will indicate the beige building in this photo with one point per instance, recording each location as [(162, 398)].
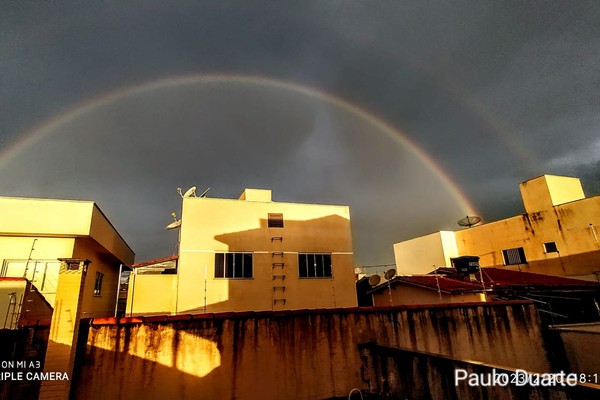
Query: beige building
[(250, 254), (559, 234), (36, 233), (73, 255)]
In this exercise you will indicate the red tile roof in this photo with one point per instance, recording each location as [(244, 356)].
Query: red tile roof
[(446, 284), (499, 277), (450, 281), (156, 261), (505, 277)]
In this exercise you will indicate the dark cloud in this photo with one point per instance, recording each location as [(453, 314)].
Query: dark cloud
[(129, 154), (496, 93)]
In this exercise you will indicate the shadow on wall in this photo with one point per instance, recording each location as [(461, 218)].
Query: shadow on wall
[(318, 234), (150, 362), (278, 283), (273, 277), (302, 354)]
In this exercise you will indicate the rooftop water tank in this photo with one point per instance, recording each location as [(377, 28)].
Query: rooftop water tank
[(466, 264)]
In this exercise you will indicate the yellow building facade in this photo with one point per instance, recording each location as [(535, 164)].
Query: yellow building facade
[(36, 233), (72, 255), (559, 234), (252, 254)]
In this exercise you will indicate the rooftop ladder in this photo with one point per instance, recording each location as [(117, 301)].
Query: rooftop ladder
[(278, 293)]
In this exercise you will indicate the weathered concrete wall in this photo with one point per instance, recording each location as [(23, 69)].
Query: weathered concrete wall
[(25, 345), (572, 226), (581, 342), (400, 374), (298, 355)]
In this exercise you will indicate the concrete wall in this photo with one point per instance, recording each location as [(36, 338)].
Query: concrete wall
[(297, 354), (226, 225), (581, 343), (153, 294), (405, 374)]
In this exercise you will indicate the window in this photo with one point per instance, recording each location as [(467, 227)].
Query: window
[(98, 284), (233, 265), (550, 247), (514, 256), (314, 265), (275, 221)]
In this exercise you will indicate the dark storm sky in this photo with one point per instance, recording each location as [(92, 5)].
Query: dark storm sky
[(494, 92)]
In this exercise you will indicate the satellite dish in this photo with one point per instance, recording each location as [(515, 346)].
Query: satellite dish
[(204, 193), (469, 221), (174, 225), (374, 280), (190, 192), (390, 273)]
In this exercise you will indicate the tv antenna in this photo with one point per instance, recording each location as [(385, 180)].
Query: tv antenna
[(469, 221)]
